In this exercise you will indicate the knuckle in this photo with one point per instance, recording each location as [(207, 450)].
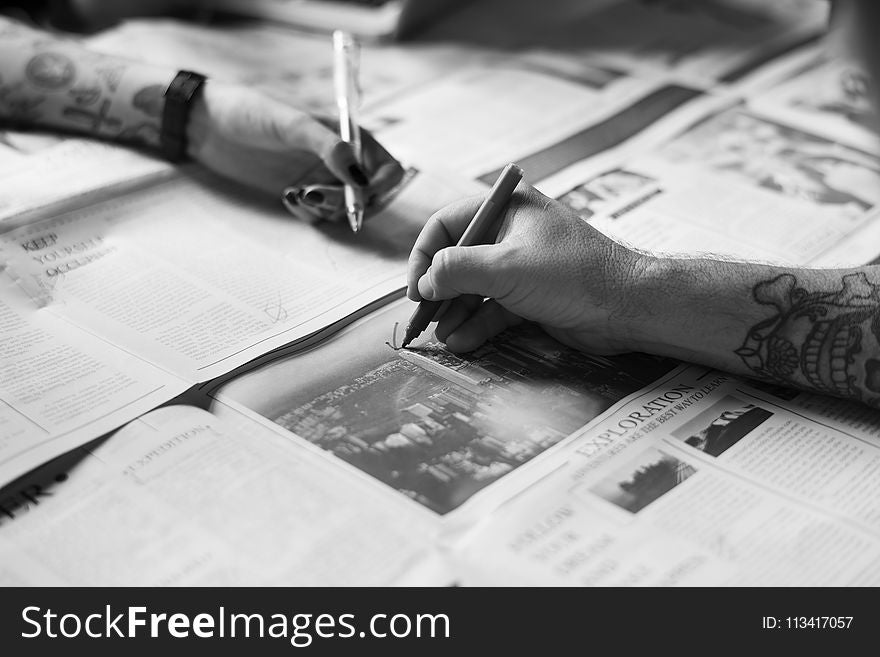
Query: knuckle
[(443, 261)]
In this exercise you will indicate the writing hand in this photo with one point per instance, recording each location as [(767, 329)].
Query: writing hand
[(547, 266), (269, 145)]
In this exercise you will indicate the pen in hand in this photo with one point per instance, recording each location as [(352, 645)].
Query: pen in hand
[(484, 218), (345, 82)]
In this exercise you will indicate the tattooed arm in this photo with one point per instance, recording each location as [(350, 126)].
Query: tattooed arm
[(813, 329), (259, 142), (55, 83)]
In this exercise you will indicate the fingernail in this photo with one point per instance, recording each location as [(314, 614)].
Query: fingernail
[(426, 289), (314, 197), (358, 175)]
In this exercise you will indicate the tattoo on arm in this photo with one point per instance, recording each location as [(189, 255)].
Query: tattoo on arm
[(826, 341), (149, 100), (85, 95), (50, 71), (52, 82), (16, 104)]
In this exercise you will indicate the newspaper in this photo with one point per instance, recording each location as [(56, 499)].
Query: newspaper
[(670, 475), (706, 180), (113, 308), (703, 481), (483, 117), (522, 463), (41, 173), (183, 498), (703, 42)]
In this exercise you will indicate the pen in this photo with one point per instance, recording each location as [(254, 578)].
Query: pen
[(492, 206), (345, 74)]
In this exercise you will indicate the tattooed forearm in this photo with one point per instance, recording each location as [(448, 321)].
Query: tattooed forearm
[(56, 83), (827, 341), (50, 71)]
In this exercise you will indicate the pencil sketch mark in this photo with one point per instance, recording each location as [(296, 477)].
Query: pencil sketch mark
[(393, 343), (276, 310)]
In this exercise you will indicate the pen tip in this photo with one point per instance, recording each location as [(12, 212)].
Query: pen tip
[(356, 220)]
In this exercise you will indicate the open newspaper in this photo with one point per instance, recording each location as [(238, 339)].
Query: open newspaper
[(125, 282), (524, 463), (314, 456), (115, 307)]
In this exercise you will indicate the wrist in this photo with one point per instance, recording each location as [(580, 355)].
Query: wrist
[(180, 96), (198, 122), (640, 300), (692, 309)]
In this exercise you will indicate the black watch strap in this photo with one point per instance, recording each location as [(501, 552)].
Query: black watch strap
[(175, 114)]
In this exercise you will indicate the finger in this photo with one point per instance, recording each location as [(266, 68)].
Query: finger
[(375, 156), (340, 158), (459, 270), (386, 178), (336, 216), (456, 312), (441, 230), (291, 203), (486, 322), (301, 130), (329, 198)]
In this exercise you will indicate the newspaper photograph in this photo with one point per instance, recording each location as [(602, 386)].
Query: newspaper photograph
[(711, 190), (436, 426), (689, 484), (828, 95)]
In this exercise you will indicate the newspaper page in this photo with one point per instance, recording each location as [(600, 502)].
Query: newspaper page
[(478, 120), (704, 42), (181, 497), (198, 280), (828, 95), (456, 434), (696, 482), (171, 285), (42, 173), (291, 65), (61, 386), (713, 189)]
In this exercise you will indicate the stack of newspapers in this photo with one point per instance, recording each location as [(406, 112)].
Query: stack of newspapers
[(198, 390)]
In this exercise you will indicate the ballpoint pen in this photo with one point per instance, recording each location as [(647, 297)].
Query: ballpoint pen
[(345, 79), (492, 206)]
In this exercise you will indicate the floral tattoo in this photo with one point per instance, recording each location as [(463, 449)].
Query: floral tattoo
[(814, 339)]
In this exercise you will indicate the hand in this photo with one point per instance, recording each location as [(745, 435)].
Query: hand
[(548, 266), (268, 145)]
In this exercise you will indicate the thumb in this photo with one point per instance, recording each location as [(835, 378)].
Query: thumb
[(458, 270)]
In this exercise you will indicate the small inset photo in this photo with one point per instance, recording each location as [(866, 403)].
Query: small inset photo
[(722, 425), (643, 480)]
